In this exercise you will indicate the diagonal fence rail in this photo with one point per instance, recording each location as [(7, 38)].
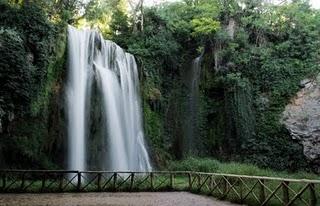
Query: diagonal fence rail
[(251, 190)]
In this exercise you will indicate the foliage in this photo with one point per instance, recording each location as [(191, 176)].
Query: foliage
[(240, 117), (15, 84), (256, 73), (110, 17), (194, 164), (214, 166), (205, 26), (158, 54), (35, 30), (250, 71), (54, 70), (32, 59), (275, 52)]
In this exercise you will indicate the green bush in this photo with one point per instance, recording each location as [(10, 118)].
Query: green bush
[(195, 164), (16, 72), (27, 42), (31, 64)]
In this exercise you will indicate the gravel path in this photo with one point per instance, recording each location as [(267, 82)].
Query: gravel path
[(108, 199)]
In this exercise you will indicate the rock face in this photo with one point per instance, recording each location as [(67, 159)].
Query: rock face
[(302, 118)]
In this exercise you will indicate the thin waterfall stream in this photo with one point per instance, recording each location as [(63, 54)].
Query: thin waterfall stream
[(115, 72), (191, 118)]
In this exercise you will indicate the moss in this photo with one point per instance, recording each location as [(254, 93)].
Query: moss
[(153, 128), (54, 71), (35, 140), (26, 149)]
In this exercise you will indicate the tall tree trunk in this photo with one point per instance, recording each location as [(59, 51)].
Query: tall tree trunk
[(142, 18)]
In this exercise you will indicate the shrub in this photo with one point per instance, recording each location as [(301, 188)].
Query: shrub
[(195, 164)]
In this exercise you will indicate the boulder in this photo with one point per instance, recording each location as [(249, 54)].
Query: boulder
[(302, 118)]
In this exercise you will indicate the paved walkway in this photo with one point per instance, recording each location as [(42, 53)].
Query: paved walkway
[(108, 199)]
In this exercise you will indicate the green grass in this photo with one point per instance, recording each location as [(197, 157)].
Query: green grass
[(215, 166)]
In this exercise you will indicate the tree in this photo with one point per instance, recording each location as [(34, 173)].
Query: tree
[(136, 7)]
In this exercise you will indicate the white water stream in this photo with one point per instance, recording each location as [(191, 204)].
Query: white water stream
[(91, 58)]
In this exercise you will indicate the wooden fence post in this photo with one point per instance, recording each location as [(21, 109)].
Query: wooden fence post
[(79, 181), (151, 180), (115, 176), (224, 186), (285, 191), (3, 181), (262, 194), (190, 181), (43, 184), (131, 181), (22, 181), (210, 182), (60, 182), (99, 181), (313, 197), (171, 180), (199, 181), (241, 189)]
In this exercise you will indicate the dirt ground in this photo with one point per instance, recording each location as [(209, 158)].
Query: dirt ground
[(108, 199)]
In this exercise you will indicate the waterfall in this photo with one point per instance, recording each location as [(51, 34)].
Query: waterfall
[(76, 93), (191, 117), (93, 59)]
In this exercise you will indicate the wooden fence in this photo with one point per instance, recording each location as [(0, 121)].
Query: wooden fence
[(251, 190)]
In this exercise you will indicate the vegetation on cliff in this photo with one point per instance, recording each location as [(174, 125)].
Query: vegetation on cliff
[(32, 58), (253, 57)]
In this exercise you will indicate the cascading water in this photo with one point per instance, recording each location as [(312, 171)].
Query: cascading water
[(192, 80), (91, 58), (76, 92)]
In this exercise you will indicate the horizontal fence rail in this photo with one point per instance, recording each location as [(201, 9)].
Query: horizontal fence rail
[(251, 190)]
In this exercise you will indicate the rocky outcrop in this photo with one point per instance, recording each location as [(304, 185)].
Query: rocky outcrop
[(302, 118)]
